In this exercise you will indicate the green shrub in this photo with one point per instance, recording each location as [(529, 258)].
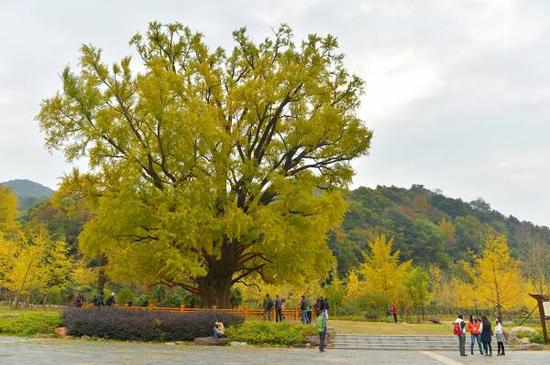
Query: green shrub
[(29, 323), (533, 337), (266, 332), (125, 295)]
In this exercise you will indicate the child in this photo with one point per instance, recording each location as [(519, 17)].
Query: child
[(499, 333)]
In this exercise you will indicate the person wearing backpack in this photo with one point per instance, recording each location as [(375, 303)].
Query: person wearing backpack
[(473, 328), (459, 329)]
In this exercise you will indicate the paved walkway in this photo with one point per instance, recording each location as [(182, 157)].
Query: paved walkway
[(15, 351)]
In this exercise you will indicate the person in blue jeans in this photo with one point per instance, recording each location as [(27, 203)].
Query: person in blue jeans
[(303, 309), (475, 334)]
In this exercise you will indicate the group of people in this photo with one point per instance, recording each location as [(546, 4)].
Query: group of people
[(320, 308), (98, 301), (481, 332), (279, 304), (391, 311)]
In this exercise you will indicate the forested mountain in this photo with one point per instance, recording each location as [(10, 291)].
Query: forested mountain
[(427, 227), (28, 192)]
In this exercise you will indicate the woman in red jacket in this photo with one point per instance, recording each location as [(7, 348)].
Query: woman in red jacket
[(473, 328)]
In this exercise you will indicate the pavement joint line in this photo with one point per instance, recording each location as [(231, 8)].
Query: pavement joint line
[(22, 340), (442, 359)]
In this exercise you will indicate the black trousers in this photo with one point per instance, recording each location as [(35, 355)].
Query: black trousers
[(395, 317), (500, 347), (487, 349), (322, 340), (278, 315)]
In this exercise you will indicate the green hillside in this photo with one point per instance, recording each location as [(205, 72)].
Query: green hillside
[(28, 192), (427, 226)]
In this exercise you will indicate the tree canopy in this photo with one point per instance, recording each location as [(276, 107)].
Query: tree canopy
[(211, 167)]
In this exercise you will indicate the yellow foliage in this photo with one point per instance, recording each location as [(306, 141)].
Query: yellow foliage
[(382, 277), (499, 283)]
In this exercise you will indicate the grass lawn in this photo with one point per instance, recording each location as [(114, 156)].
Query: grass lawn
[(382, 328), (28, 322)]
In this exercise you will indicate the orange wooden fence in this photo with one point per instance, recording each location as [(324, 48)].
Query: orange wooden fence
[(246, 313)]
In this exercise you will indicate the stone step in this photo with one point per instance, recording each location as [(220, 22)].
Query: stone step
[(395, 342), (423, 347)]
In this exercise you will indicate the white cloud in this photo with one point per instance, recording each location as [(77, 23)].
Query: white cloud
[(457, 91)]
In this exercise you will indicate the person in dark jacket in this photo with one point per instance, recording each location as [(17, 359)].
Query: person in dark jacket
[(268, 307), (278, 309), (486, 334), (98, 300)]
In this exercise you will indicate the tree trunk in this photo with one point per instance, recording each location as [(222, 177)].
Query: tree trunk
[(215, 289)]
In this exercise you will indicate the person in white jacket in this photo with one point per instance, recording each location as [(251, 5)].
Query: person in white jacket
[(460, 332), (499, 334)]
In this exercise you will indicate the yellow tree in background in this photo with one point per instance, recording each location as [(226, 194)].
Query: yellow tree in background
[(9, 228), (381, 276), (498, 280)]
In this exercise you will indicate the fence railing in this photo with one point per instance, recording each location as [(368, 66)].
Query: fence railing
[(246, 313)]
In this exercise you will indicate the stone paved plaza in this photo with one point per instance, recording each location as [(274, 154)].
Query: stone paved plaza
[(15, 351)]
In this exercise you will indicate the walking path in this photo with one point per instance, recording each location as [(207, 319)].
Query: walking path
[(16, 351)]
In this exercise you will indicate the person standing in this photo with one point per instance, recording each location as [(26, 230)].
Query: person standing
[(394, 311), (473, 328), (459, 330), (309, 311), (268, 307), (278, 314), (283, 308), (499, 334), (321, 324), (486, 333), (98, 300), (388, 314), (303, 309)]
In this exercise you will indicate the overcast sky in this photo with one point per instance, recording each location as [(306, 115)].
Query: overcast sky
[(457, 91)]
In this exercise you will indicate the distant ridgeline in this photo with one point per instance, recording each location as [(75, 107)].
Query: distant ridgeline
[(28, 192), (426, 226)]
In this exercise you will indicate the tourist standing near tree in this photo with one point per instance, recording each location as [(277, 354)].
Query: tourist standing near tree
[(394, 311), (321, 324), (486, 334), (499, 334), (303, 310), (268, 307), (309, 311), (460, 331), (98, 300), (473, 328), (278, 314)]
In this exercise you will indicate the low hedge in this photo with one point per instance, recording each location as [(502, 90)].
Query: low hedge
[(28, 323), (271, 333), (537, 337), (121, 324)]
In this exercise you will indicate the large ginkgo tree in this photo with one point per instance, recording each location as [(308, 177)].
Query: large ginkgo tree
[(210, 167)]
